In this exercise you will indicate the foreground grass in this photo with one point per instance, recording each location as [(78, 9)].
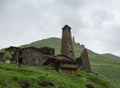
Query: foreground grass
[(12, 76)]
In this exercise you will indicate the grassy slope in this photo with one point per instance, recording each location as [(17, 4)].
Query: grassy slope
[(12, 76), (106, 66), (109, 55)]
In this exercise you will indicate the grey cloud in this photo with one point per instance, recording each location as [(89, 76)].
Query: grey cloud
[(100, 16), (93, 22), (114, 37), (73, 4)]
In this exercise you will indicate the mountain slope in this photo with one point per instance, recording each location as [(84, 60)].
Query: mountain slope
[(109, 55), (100, 64)]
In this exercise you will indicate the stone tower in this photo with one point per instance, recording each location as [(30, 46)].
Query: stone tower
[(66, 43), (85, 61)]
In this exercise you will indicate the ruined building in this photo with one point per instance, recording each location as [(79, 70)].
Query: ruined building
[(28, 56), (67, 49), (64, 62), (83, 61), (66, 43), (12, 49), (32, 56)]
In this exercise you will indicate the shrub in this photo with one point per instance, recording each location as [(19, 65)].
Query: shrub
[(89, 86), (7, 56)]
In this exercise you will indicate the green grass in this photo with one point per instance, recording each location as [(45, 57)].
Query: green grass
[(110, 56), (110, 72), (12, 76), (108, 67)]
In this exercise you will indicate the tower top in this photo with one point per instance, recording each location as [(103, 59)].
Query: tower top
[(66, 27)]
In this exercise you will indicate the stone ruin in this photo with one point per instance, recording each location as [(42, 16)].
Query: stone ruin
[(32, 56), (28, 56), (12, 49), (67, 43), (64, 62), (83, 61)]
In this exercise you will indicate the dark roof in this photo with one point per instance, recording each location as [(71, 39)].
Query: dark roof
[(66, 27), (12, 47), (30, 48), (45, 47), (68, 62), (62, 57)]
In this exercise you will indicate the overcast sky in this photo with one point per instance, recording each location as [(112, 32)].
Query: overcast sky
[(94, 23)]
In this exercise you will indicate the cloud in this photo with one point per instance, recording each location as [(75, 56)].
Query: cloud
[(72, 4), (95, 23)]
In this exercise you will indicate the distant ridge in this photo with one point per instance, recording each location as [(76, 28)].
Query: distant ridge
[(109, 55)]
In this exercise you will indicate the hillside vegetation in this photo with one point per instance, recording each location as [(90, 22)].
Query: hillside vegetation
[(105, 65), (111, 56)]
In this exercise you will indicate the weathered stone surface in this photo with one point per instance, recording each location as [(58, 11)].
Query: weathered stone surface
[(32, 56), (83, 61), (66, 43), (47, 51), (1, 56), (28, 56), (63, 63)]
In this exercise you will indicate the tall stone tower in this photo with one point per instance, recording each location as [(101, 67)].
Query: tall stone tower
[(66, 43)]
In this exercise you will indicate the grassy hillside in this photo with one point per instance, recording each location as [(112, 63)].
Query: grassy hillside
[(109, 55), (12, 76), (100, 64)]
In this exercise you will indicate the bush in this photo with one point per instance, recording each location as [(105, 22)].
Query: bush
[(89, 86), (7, 56)]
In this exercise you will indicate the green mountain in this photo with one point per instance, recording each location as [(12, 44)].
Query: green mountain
[(105, 68)]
